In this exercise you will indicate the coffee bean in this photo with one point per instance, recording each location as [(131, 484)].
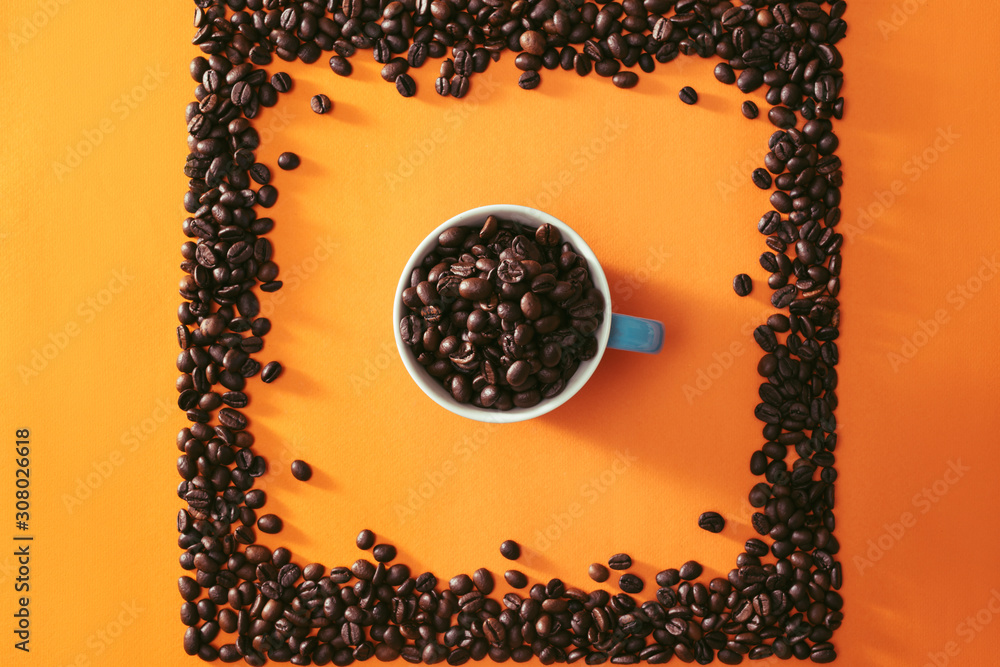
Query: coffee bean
[(510, 550), (341, 66), (782, 117), (529, 80), (515, 578), (383, 553), (460, 584), (761, 178), (712, 522), (269, 523), (669, 577), (598, 572), (630, 583), (406, 86), (301, 470), (271, 372), (267, 196), (483, 581), (288, 161), (366, 539), (742, 284), (750, 110), (625, 79), (690, 570), (620, 562), (320, 104), (281, 82), (689, 95)]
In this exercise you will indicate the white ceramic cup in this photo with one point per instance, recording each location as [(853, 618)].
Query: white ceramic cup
[(616, 331)]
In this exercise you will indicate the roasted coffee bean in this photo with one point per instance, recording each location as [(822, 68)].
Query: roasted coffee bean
[(690, 570), (750, 110), (405, 85), (383, 553), (288, 161), (341, 66), (689, 95), (620, 562), (301, 470), (269, 523), (320, 104), (761, 178), (742, 284), (712, 522), (625, 79), (483, 581), (510, 550), (271, 372), (515, 578), (529, 80), (281, 82), (598, 572), (366, 539), (630, 583)]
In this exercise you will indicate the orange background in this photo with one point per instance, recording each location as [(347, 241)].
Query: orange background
[(661, 192)]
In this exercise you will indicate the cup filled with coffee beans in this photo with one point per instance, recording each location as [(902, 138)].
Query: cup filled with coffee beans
[(503, 313)]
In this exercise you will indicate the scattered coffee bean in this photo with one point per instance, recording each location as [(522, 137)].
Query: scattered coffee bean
[(383, 553), (742, 284), (510, 550), (406, 86), (320, 104), (630, 583), (598, 572), (366, 539), (750, 110), (271, 372), (712, 522), (761, 178), (301, 470), (529, 80), (620, 562), (288, 161), (689, 95), (269, 523), (690, 570), (341, 66), (515, 578)]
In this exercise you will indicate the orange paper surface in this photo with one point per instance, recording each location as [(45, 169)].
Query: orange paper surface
[(91, 184)]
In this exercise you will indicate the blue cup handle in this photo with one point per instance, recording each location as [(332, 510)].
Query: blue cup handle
[(635, 334)]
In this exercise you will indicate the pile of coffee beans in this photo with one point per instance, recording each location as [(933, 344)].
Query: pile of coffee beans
[(502, 315), (245, 601)]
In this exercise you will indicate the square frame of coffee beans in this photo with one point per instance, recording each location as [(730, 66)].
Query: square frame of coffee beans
[(243, 601)]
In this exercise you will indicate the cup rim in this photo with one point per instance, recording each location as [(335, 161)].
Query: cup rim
[(436, 392)]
